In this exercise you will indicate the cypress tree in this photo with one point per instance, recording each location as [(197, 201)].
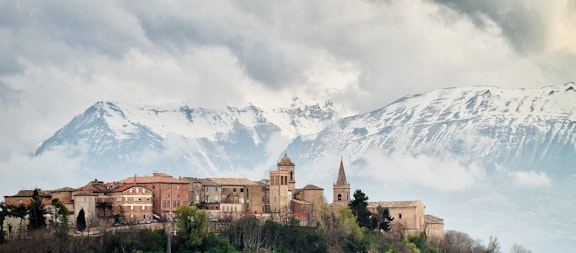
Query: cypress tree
[(81, 221)]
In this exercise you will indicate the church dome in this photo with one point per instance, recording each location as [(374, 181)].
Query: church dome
[(285, 161)]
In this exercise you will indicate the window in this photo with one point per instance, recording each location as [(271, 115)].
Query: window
[(241, 189), (339, 196), (85, 199), (399, 216), (143, 208), (136, 199), (130, 190), (234, 189), (131, 207), (119, 199)]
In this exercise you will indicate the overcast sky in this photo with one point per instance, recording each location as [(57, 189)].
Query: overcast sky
[(57, 58)]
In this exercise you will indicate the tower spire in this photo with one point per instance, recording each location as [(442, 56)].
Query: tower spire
[(341, 188), (341, 180)]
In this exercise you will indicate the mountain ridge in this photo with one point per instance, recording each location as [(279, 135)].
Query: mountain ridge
[(478, 120), (515, 129)]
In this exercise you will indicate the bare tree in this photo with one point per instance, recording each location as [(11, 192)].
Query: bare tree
[(459, 242), (519, 249)]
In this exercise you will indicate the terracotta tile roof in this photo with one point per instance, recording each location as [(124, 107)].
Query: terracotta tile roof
[(431, 219), (207, 182), (128, 186), (63, 189), (233, 181), (155, 178), (401, 203), (30, 193), (84, 193), (192, 179), (312, 187)]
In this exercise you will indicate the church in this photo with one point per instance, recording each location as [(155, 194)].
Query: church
[(409, 216)]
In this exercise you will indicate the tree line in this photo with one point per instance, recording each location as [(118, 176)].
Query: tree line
[(351, 228)]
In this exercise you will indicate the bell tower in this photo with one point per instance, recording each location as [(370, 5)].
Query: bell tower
[(341, 189), (282, 186)]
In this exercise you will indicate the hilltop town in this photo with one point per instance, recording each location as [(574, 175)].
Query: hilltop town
[(148, 199)]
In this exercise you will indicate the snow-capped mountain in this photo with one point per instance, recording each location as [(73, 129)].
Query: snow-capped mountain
[(487, 160), (114, 135), (497, 128)]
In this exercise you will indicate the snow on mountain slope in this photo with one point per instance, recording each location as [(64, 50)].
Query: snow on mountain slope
[(513, 129), (104, 129), (489, 161), (115, 135), (517, 129)]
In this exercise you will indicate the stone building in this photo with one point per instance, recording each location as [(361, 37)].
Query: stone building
[(236, 196), (85, 200), (282, 186), (410, 217), (305, 205), (285, 200), (65, 196), (24, 197), (434, 227)]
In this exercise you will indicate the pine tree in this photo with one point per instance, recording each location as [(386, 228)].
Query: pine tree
[(81, 221), (62, 213), (3, 215), (382, 218), (359, 207), (36, 212)]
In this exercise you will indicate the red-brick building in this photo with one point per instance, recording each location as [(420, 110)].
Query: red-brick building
[(134, 200), (168, 193)]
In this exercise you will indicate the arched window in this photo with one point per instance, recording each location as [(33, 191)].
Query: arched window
[(339, 196)]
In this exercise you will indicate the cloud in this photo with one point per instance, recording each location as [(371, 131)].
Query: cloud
[(49, 171), (442, 174), (532, 179), (544, 33), (529, 25)]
